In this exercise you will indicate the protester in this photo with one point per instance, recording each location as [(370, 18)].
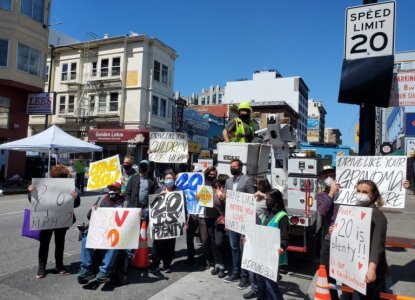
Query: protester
[(275, 216), (112, 199), (127, 172), (217, 233), (201, 221), (58, 171), (240, 129), (80, 168), (163, 250), (240, 183)]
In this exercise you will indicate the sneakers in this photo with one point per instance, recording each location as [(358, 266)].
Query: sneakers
[(221, 273), (250, 295), (84, 276), (41, 272), (243, 283), (102, 277), (61, 271), (232, 278), (214, 271), (167, 270)]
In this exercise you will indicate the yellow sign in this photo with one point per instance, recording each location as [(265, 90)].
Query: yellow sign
[(103, 173), (205, 195), (193, 147)]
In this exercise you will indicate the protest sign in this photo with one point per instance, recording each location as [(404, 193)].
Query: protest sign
[(168, 147), (188, 182), (104, 172), (260, 253), (240, 211), (167, 215), (52, 203), (205, 195), (350, 246), (387, 172), (114, 228)]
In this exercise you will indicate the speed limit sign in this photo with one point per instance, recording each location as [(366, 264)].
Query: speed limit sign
[(370, 30)]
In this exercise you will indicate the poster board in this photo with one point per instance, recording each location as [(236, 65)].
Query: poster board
[(387, 172), (205, 195), (104, 172), (188, 182), (114, 228), (167, 215), (350, 246), (51, 203), (240, 211), (168, 147)]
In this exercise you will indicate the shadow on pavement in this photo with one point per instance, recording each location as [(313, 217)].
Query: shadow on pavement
[(403, 273)]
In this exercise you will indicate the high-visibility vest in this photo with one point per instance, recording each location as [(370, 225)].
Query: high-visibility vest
[(275, 223), (239, 134)]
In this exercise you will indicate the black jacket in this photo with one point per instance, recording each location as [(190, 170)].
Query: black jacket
[(133, 187)]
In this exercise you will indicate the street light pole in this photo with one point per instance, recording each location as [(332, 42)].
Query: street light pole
[(52, 48)]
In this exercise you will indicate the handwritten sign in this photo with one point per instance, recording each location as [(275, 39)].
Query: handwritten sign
[(240, 211), (350, 246), (52, 203), (168, 147), (205, 195), (188, 182), (388, 172), (114, 228), (103, 173), (260, 253), (167, 215)]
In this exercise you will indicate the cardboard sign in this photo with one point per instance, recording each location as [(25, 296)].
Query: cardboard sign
[(103, 173), (114, 228), (240, 211), (168, 147), (188, 182), (52, 203), (205, 195), (167, 215), (260, 253), (350, 246), (388, 172)]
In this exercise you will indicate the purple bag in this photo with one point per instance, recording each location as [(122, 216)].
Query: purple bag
[(34, 234)]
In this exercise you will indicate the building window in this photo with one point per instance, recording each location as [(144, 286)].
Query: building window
[(164, 74), (6, 4), (92, 103), (94, 69), (4, 112), (115, 66), (47, 73), (114, 102), (163, 108), (73, 71), (62, 104), (214, 98), (156, 70), (28, 59), (104, 67), (33, 9), (155, 106), (64, 73), (4, 50), (102, 103), (71, 104)]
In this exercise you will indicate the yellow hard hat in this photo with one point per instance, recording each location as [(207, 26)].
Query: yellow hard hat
[(244, 105)]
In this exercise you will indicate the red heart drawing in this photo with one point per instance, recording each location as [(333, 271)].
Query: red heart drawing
[(362, 215), (359, 265), (332, 271)]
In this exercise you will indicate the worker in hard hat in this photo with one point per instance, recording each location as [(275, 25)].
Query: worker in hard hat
[(240, 129)]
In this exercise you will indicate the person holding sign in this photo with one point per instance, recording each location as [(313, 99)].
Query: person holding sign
[(113, 199), (58, 171)]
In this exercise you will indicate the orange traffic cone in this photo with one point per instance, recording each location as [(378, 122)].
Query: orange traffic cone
[(322, 285), (141, 254)]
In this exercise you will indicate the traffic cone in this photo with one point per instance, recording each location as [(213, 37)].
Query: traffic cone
[(141, 254), (322, 285)]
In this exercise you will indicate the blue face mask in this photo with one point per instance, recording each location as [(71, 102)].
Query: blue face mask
[(169, 182)]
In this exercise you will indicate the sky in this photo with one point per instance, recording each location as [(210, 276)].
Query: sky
[(224, 40)]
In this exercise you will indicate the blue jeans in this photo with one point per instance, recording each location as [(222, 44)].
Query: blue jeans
[(268, 289), (87, 255), (236, 246)]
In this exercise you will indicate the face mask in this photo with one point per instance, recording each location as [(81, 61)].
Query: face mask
[(328, 181), (235, 171), (362, 199), (113, 195), (270, 203), (127, 167), (211, 178), (169, 182), (143, 169), (244, 117)]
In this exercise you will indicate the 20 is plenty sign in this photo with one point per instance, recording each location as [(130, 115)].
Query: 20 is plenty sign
[(370, 30)]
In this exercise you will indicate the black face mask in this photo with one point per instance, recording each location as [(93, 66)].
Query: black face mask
[(270, 203), (211, 178), (143, 169), (244, 117), (235, 171), (127, 167), (113, 196)]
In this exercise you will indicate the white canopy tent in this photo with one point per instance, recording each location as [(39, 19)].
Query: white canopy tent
[(51, 140)]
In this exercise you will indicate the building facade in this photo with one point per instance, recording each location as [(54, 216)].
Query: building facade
[(211, 96), (269, 86), (23, 48), (111, 87), (316, 121), (332, 136)]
